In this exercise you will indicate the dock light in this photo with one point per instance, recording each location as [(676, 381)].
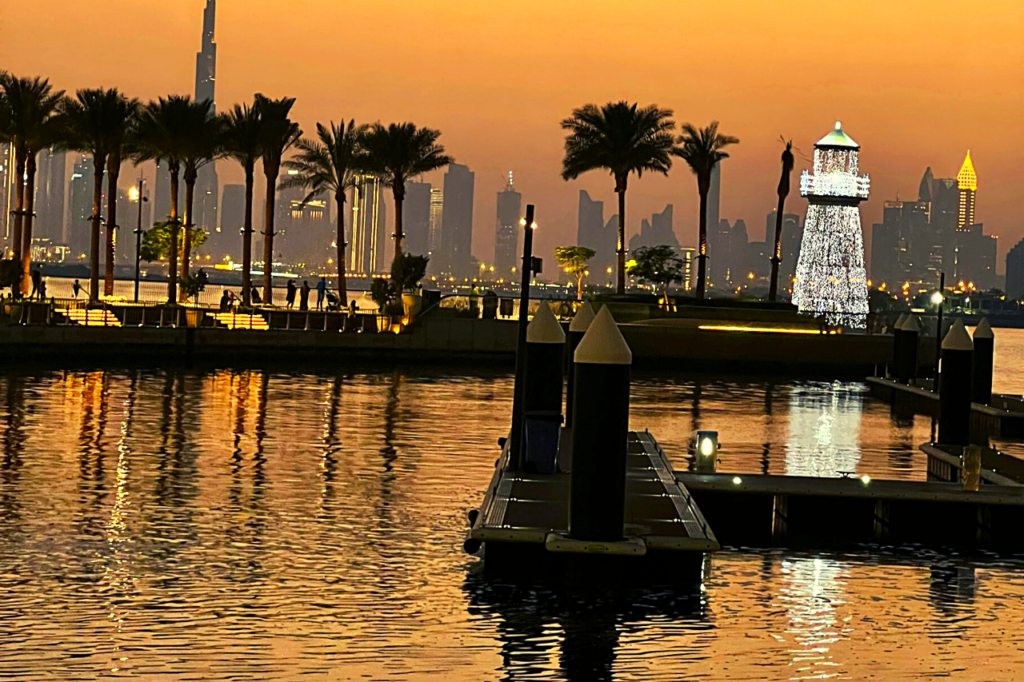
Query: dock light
[(865, 479), (737, 480), (937, 298), (707, 452)]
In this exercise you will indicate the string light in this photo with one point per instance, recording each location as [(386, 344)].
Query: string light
[(830, 278)]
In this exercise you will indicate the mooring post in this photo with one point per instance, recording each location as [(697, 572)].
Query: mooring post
[(897, 347), (516, 434), (984, 358), (955, 387), (545, 347), (597, 494), (909, 340), (577, 328)]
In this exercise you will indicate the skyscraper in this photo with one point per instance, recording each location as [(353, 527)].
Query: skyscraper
[(507, 228), (656, 232), (591, 233), (367, 239), (718, 241), (227, 239), (967, 182), (436, 211), (207, 190), (457, 221), (830, 277), (80, 204), (7, 197), (1015, 272), (416, 218), (51, 184), (791, 238), (162, 193)]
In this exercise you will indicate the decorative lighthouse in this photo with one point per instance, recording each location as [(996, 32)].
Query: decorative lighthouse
[(830, 276)]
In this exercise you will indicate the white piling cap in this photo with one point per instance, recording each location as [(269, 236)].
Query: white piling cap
[(984, 330), (957, 337), (584, 316), (544, 328), (899, 322), (910, 324), (603, 343)]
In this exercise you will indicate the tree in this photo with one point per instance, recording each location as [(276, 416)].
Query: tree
[(163, 136), (156, 241), (32, 126), (657, 265), (573, 260), (621, 138), (124, 115), (277, 135), (701, 148), (399, 153), (240, 140), (92, 122), (407, 270), (787, 171), (202, 146), (330, 163)]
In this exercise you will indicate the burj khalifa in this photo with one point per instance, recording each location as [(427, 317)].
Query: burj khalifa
[(207, 185)]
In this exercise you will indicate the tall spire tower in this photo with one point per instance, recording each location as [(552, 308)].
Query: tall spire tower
[(207, 184), (968, 184)]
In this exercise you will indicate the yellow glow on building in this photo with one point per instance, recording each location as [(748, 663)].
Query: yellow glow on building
[(966, 178)]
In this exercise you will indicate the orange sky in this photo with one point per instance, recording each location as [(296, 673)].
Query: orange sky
[(915, 82)]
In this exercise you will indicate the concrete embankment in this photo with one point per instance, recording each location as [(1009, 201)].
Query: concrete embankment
[(443, 340)]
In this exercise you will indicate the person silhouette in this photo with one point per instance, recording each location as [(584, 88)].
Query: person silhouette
[(304, 296), (290, 295), (321, 293)]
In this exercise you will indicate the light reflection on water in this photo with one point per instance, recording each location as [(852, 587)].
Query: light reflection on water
[(257, 525)]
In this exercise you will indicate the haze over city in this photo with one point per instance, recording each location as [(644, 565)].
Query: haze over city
[(915, 83)]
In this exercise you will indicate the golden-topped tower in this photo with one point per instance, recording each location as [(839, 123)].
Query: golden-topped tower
[(968, 184)]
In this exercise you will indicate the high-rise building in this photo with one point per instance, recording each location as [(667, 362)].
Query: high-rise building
[(80, 207), (226, 240), (967, 183), (436, 212), (901, 245), (367, 236), (416, 218), (162, 193), (656, 232), (718, 241), (831, 280), (207, 191), (592, 233), (457, 219), (7, 194), (507, 228), (792, 235), (1015, 272), (51, 184), (974, 258)]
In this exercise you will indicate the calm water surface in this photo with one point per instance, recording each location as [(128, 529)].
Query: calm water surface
[(253, 525)]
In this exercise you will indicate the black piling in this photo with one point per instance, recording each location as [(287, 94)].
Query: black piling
[(955, 387), (597, 496), (577, 328), (984, 358), (545, 347), (897, 347), (909, 344)]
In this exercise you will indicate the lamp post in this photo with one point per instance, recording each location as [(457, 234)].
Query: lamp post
[(138, 236), (516, 435), (939, 298)]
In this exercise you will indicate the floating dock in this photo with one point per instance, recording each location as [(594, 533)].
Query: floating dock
[(525, 516)]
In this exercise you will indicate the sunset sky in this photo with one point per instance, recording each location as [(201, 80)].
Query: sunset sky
[(915, 82)]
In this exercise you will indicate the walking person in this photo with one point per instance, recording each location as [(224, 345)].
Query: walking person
[(290, 295), (321, 293), (303, 296), (37, 278), (75, 288)]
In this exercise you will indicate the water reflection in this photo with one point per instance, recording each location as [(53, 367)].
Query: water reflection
[(824, 430), (812, 591)]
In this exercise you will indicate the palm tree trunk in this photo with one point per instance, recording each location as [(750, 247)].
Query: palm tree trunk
[(98, 162), (172, 259), (250, 181), (113, 171), (19, 202), (26, 227), (773, 292), (399, 192), (621, 276), (186, 242), (268, 237), (702, 254), (342, 284)]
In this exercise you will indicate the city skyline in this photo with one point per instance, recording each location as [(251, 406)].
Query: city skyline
[(928, 131)]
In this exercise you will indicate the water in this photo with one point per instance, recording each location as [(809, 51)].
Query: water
[(252, 525)]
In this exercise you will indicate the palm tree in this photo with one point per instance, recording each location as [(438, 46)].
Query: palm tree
[(90, 122), (330, 163), (163, 136), (701, 148), (787, 170), (621, 138), (32, 107), (398, 153), (277, 134), (203, 144), (240, 140), (123, 113)]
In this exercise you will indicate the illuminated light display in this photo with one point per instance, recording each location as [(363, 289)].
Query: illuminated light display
[(756, 330), (831, 280), (967, 183)]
